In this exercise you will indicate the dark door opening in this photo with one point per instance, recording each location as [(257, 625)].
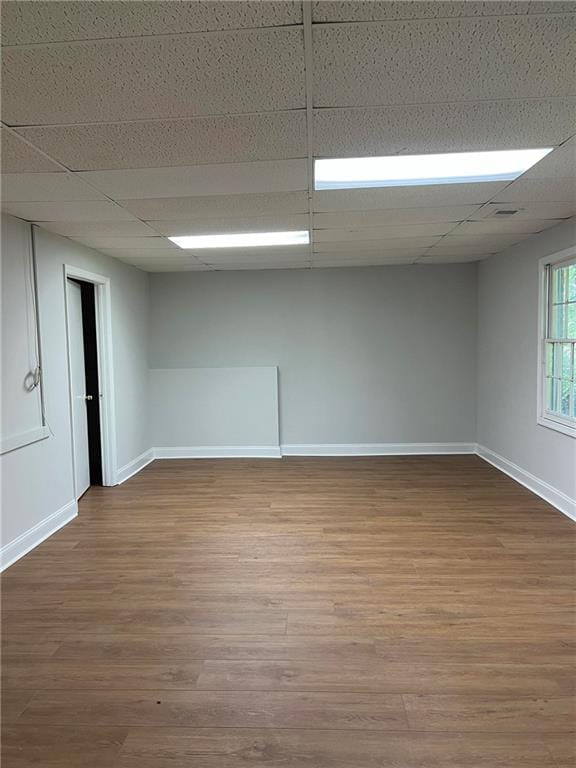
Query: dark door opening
[(92, 389)]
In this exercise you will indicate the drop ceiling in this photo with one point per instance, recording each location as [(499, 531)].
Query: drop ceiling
[(127, 122)]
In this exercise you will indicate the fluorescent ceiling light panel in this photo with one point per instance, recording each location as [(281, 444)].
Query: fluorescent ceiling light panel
[(412, 170), (242, 240)]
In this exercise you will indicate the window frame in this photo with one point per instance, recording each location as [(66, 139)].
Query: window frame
[(545, 418)]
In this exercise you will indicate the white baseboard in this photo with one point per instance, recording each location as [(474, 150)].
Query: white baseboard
[(546, 491), (134, 466), (376, 449), (219, 452), (36, 535)]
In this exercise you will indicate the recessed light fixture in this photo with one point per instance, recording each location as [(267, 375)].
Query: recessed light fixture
[(242, 240), (411, 170)]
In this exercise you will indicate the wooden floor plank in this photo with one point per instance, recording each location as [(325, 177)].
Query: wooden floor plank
[(228, 748), (219, 709)]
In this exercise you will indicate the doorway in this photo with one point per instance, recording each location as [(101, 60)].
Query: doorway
[(84, 384), (90, 379)]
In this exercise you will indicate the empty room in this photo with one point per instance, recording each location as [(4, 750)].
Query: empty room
[(288, 386)]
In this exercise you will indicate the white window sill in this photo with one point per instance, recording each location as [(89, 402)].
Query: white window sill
[(560, 426)]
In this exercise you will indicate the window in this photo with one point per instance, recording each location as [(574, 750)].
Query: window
[(557, 394)]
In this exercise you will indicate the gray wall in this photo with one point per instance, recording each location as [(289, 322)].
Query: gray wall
[(37, 479), (366, 355), (507, 362)]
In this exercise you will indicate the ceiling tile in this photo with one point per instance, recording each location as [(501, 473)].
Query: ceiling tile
[(387, 198), (215, 206), (385, 10), (383, 233), (539, 190), (372, 256), (258, 265), (503, 225), (188, 266), (46, 187), (465, 59), (361, 263), (173, 76), (80, 210), (43, 22), (210, 255), (527, 210), (158, 143), (222, 179), (19, 157), (211, 225), (147, 243), (107, 228), (147, 253), (397, 244), (395, 217), (224, 255), (454, 259), (561, 163), (478, 243), (456, 127)]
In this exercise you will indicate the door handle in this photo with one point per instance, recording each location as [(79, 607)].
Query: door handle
[(88, 397)]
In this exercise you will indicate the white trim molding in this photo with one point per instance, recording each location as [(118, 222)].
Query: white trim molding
[(376, 449), (34, 536), (133, 467), (220, 452), (552, 495), (25, 438)]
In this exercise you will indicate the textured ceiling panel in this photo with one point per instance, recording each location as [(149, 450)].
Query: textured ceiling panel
[(147, 254), (223, 179), (422, 128), (561, 163), (386, 10), (158, 143), (454, 259), (527, 210), (210, 255), (444, 60), (260, 265), (394, 217), (18, 157), (478, 243), (186, 266), (381, 233), (44, 187), (434, 195), (539, 190), (375, 256), (180, 76), (214, 206), (389, 244), (148, 243), (43, 22), (347, 263), (81, 210), (502, 225), (107, 228), (211, 225), (226, 255)]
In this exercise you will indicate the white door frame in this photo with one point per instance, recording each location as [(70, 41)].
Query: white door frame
[(105, 369)]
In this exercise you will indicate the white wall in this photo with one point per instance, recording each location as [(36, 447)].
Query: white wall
[(37, 479), (366, 355), (507, 363)]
